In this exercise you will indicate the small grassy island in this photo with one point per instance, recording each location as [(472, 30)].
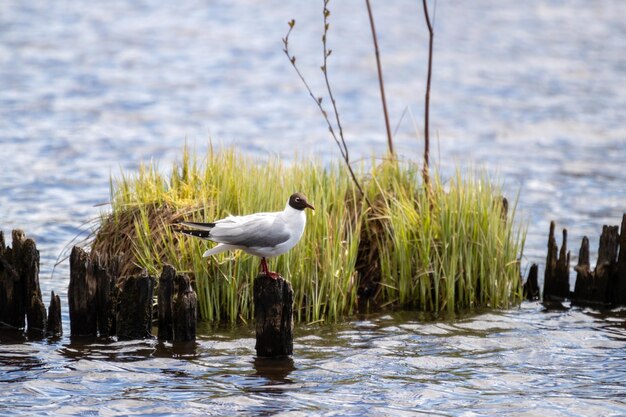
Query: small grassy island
[(445, 246)]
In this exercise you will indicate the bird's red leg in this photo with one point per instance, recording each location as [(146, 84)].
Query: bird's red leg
[(264, 266), (266, 270)]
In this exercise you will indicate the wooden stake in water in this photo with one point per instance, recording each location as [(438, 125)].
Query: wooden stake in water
[(273, 314), (134, 308), (177, 307), (54, 327), (556, 274), (81, 295), (20, 294)]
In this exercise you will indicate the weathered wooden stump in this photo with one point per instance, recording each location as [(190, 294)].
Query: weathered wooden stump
[(12, 290), (20, 295), (81, 295), (556, 275), (585, 285), (134, 307), (619, 294), (273, 314), (598, 287), (54, 326), (177, 307), (184, 310), (164, 303), (607, 257), (28, 267), (531, 286), (106, 275)]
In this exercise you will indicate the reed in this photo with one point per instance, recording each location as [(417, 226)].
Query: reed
[(443, 249), (446, 247)]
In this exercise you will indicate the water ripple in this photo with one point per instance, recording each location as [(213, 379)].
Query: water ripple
[(526, 90)]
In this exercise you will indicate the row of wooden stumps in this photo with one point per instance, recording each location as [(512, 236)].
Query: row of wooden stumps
[(604, 286), (102, 303)]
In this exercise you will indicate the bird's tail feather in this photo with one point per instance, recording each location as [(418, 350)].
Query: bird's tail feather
[(203, 234), (199, 226)]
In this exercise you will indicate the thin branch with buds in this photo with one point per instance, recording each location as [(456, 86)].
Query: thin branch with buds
[(324, 68), (339, 140)]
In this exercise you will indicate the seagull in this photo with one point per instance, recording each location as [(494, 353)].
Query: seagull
[(259, 234)]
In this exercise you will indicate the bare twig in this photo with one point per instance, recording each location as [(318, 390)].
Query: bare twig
[(425, 172), (380, 78), (327, 53), (318, 100), (340, 141)]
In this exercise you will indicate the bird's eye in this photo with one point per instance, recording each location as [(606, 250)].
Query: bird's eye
[(297, 199)]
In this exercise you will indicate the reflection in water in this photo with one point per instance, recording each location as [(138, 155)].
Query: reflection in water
[(108, 349), (180, 350), (19, 365), (276, 370), (10, 335), (126, 351)]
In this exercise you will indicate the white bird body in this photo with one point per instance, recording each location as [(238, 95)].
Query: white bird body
[(274, 233), (260, 234)]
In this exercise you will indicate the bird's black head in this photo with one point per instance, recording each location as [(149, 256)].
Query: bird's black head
[(299, 202)]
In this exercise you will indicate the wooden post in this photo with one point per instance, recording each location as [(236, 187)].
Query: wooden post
[(164, 302), (619, 293), (607, 251), (184, 310), (584, 289), (105, 275), (82, 295), (273, 314), (20, 294), (562, 269), (596, 288), (134, 307), (551, 258), (556, 276), (606, 265), (28, 267), (531, 286), (177, 307), (12, 306), (54, 326)]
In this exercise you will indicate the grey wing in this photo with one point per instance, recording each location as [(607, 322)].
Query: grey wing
[(257, 230)]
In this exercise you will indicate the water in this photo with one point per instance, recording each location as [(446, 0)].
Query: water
[(531, 91), (522, 362)]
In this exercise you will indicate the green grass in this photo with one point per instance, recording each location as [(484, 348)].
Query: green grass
[(447, 248), (442, 249)]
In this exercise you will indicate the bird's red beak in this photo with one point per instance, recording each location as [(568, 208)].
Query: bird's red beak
[(310, 206)]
